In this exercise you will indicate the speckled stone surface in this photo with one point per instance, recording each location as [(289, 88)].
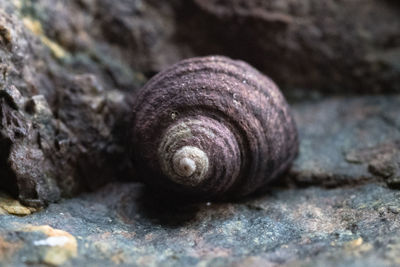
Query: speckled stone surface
[(68, 70), (121, 224), (324, 220), (344, 138)]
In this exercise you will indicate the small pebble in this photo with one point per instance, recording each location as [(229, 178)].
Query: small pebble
[(394, 209), (381, 211)]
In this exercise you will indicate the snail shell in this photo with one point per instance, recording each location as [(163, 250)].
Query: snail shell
[(210, 127)]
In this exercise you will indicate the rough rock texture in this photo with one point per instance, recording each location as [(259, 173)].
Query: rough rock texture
[(59, 127), (121, 224), (346, 141), (67, 72), (351, 221), (331, 46)]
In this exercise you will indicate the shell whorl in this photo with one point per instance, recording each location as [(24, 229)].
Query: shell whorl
[(198, 138), (188, 161), (212, 126)]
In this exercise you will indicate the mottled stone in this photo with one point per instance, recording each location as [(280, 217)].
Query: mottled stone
[(335, 218), (329, 46), (7, 249), (126, 224), (14, 207), (83, 68), (56, 248), (61, 128), (335, 46), (348, 140), (68, 69)]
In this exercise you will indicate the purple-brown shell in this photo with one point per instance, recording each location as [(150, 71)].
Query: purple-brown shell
[(210, 127)]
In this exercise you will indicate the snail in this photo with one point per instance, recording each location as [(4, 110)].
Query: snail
[(211, 127)]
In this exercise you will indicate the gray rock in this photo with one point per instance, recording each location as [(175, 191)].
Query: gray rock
[(68, 71), (348, 140), (331, 46), (61, 132), (335, 218), (125, 224)]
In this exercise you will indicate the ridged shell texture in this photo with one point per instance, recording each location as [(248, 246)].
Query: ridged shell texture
[(211, 127)]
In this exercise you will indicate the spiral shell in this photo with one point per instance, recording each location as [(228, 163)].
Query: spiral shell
[(210, 127)]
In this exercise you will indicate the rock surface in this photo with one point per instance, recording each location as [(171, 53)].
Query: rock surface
[(346, 141), (60, 127), (330, 46), (67, 73), (335, 218), (121, 224)]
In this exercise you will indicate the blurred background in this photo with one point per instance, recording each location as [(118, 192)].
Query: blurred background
[(330, 46)]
